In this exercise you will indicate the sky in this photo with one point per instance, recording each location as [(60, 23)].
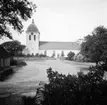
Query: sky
[(66, 20)]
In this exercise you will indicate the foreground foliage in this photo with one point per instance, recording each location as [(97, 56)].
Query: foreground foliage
[(81, 89), (12, 12)]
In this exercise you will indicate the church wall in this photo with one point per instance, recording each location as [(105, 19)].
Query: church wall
[(57, 52)]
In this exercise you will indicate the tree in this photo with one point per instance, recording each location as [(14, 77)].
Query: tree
[(14, 47), (79, 57), (94, 46), (62, 54), (12, 12), (45, 53), (70, 55), (53, 55)]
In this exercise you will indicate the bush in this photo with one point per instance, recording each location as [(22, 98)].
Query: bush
[(27, 100), (17, 63), (21, 63), (80, 89), (4, 75), (70, 55), (13, 62), (80, 58)]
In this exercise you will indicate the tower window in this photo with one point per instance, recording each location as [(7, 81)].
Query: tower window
[(34, 37), (29, 37), (31, 33)]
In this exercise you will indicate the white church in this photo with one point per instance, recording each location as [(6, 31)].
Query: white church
[(34, 45)]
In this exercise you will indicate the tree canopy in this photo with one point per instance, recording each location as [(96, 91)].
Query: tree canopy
[(70, 55), (12, 12), (14, 47), (62, 54), (94, 46)]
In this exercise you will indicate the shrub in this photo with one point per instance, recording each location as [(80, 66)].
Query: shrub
[(17, 63), (21, 63), (13, 62), (70, 55), (80, 58), (80, 89), (4, 75), (27, 100)]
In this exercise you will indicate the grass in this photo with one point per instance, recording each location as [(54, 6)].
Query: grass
[(16, 95), (83, 66), (33, 58)]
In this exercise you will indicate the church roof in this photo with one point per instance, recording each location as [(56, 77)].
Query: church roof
[(45, 45), (32, 27)]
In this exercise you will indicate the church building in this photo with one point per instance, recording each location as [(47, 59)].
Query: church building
[(35, 46)]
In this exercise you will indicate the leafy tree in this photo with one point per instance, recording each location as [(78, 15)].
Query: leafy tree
[(53, 55), (37, 55), (62, 54), (45, 53), (94, 46), (12, 12), (79, 57), (70, 55), (14, 47)]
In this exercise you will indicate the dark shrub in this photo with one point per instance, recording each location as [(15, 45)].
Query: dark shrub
[(4, 75), (22, 63), (80, 89), (70, 55), (13, 62), (27, 100), (17, 63)]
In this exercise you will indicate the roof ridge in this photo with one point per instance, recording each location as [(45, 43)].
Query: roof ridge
[(59, 41)]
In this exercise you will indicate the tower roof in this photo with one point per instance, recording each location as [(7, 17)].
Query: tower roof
[(32, 27)]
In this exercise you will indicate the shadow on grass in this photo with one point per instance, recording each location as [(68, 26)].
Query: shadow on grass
[(11, 100), (17, 100)]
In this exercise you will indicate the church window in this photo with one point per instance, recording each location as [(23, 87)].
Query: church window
[(29, 37), (31, 33), (34, 37)]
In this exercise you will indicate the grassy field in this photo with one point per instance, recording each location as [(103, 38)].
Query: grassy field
[(83, 66), (27, 79)]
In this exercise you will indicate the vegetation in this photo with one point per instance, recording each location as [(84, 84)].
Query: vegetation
[(14, 47), (53, 55), (80, 58), (94, 46), (5, 74), (37, 55), (17, 63), (70, 55), (45, 53), (12, 12), (81, 89), (62, 54)]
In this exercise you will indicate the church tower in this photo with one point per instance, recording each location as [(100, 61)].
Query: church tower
[(32, 38)]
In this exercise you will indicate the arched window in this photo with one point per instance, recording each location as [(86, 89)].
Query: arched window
[(29, 37), (34, 37)]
